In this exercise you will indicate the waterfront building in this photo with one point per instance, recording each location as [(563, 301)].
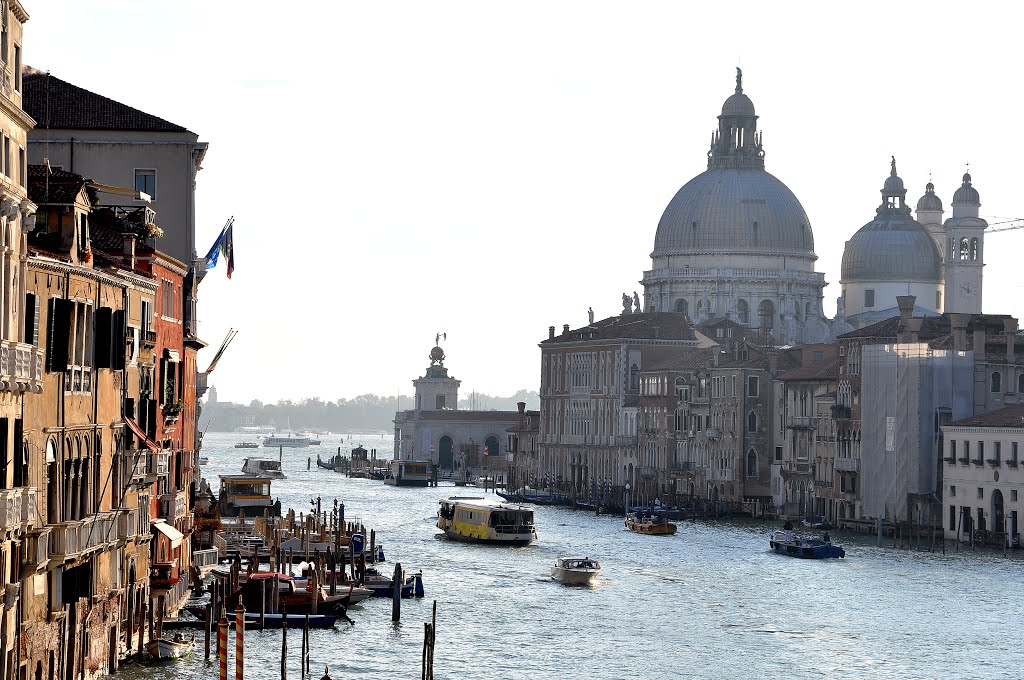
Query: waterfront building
[(983, 482), (437, 430), (522, 449), (589, 400), (118, 145)]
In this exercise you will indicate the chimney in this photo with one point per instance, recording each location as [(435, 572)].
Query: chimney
[(551, 332), (521, 405), (129, 249), (958, 322), (1010, 328), (913, 331), (565, 328), (773, 362), (979, 343), (906, 305)]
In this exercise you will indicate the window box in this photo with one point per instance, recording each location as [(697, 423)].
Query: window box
[(978, 461), (964, 460), (950, 460), (994, 462), (1011, 463)]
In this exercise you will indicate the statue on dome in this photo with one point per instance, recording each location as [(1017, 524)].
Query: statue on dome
[(627, 304), (590, 315), (636, 303), (739, 79)]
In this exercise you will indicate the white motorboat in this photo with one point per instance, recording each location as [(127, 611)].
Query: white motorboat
[(170, 648), (263, 467), (575, 571), (286, 440)]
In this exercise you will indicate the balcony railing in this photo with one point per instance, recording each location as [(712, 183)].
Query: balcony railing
[(63, 543), (847, 464), (648, 472), (159, 463), (172, 505), (128, 524), (21, 367), (802, 422), (684, 466), (10, 508), (35, 551)]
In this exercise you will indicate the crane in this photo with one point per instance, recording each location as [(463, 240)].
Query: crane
[(1007, 225), (201, 382)]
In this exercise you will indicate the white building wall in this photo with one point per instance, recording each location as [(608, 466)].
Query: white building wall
[(969, 488)]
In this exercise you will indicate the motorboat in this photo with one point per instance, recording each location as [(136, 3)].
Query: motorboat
[(815, 522), (176, 647), (805, 547), (293, 441), (575, 571), (203, 460), (263, 467), (480, 520), (247, 445), (655, 524)]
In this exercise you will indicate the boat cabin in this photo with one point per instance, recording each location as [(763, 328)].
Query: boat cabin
[(246, 493)]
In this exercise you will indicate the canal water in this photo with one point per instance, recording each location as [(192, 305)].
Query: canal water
[(709, 602)]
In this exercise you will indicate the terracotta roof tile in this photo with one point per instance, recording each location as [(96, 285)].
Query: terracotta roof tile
[(1008, 416), (644, 326)]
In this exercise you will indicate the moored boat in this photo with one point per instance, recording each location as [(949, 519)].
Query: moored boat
[(654, 525), (479, 520), (804, 547), (408, 473), (263, 467), (170, 648), (272, 620), (575, 571)]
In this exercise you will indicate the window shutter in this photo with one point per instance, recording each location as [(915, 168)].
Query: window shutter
[(151, 425), (118, 340), (31, 319), (58, 333), (102, 350)]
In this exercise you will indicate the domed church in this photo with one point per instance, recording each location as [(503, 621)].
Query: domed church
[(735, 242)]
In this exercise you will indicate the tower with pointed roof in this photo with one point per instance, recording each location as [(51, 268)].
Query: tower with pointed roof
[(736, 243), (965, 250)]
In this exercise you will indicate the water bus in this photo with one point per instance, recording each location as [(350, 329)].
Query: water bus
[(292, 441), (479, 520), (246, 493)]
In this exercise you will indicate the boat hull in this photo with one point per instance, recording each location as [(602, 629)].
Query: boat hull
[(651, 528), (510, 539), (405, 482), (169, 649), (574, 577), (806, 549)]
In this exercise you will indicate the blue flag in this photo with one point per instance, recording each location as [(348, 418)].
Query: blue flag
[(225, 243)]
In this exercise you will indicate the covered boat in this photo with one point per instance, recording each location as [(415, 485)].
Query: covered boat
[(656, 524), (786, 543), (575, 571)]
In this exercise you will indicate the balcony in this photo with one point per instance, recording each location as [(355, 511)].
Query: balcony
[(21, 367), (648, 472), (173, 505), (802, 422), (994, 462), (978, 461), (127, 524), (10, 509), (35, 552), (159, 463), (684, 466), (149, 339), (847, 464), (63, 543), (1011, 463), (964, 460)]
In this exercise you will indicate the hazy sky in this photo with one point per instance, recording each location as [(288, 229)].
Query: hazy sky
[(489, 169)]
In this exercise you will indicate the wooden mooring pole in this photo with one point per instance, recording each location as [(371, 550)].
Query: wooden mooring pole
[(239, 640), (284, 643), (396, 594)]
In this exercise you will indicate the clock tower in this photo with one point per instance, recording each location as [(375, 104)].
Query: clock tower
[(964, 252)]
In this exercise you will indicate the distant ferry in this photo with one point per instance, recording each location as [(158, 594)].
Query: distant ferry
[(247, 445), (286, 440), (478, 520), (408, 473)]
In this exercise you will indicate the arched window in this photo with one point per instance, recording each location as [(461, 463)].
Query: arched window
[(974, 249), (766, 314), (682, 306), (634, 377), (997, 382), (809, 311), (752, 422), (743, 312), (752, 463), (964, 248)]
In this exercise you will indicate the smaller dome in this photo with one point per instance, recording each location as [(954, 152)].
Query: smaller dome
[(929, 201), (966, 194), (738, 104)]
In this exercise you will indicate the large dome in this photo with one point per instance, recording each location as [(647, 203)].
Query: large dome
[(727, 210), (891, 248)]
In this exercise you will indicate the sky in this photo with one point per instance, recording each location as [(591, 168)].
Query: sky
[(489, 169)]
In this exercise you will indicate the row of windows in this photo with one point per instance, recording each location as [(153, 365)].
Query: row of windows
[(965, 450), (996, 382)]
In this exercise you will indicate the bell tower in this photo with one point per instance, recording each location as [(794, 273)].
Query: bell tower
[(964, 254), (436, 390)]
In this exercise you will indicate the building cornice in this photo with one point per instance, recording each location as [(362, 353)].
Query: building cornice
[(61, 267)]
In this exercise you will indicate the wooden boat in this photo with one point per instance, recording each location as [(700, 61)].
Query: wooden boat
[(273, 620), (786, 543), (293, 595), (655, 525), (170, 648), (479, 520), (408, 473), (575, 571)]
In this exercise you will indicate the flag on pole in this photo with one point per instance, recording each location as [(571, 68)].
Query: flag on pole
[(225, 243)]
